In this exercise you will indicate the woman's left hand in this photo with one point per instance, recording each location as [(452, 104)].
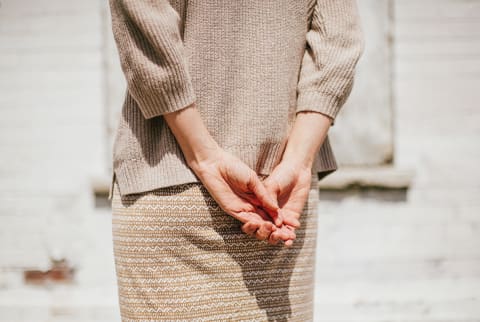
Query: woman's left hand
[(289, 183)]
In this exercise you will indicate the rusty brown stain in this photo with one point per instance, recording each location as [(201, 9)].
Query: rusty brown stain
[(60, 272)]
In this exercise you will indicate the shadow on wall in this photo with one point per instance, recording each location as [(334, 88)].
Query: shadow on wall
[(376, 194)]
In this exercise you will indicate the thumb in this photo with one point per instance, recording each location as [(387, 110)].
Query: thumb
[(273, 191), (270, 204), (291, 218)]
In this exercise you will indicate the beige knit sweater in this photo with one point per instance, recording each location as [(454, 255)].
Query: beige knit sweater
[(249, 66)]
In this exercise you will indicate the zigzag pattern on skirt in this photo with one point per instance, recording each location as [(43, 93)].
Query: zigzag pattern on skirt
[(180, 257)]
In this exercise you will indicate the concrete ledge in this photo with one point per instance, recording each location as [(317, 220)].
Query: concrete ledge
[(380, 177), (100, 185)]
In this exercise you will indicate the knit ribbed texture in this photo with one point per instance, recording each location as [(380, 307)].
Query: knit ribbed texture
[(249, 68), (334, 45)]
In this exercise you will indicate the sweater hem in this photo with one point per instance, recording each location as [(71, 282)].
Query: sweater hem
[(136, 176)]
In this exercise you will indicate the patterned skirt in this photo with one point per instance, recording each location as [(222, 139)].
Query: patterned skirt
[(180, 257)]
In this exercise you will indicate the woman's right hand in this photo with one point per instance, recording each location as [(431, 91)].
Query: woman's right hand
[(239, 192)]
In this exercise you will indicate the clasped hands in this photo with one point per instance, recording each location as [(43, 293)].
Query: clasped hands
[(268, 210)]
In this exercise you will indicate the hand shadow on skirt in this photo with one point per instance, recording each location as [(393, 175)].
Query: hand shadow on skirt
[(267, 269)]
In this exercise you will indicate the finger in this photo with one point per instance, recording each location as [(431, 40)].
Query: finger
[(250, 228), (276, 216), (254, 222), (273, 191), (263, 214), (283, 234), (272, 240), (246, 217), (251, 198), (268, 216), (264, 231), (292, 233), (289, 232), (292, 236), (291, 218), (255, 185), (274, 237)]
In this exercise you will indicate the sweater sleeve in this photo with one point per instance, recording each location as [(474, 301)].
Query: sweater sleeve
[(150, 46), (334, 43)]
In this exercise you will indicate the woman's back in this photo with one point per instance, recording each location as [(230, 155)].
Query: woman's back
[(241, 62), (221, 139)]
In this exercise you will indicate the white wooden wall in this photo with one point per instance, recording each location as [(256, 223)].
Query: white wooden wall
[(363, 133), (417, 260), (52, 142), (414, 260)]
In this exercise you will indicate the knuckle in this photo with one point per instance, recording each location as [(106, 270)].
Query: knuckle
[(260, 235)]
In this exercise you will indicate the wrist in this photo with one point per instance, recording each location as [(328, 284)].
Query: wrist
[(298, 159), (306, 137), (194, 139), (204, 152)]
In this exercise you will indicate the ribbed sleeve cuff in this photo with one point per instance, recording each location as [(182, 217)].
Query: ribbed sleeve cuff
[(168, 97), (318, 102)]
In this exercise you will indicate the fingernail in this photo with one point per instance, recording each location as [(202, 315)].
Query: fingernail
[(279, 219)]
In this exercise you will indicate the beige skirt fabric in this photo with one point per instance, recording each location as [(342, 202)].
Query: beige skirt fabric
[(180, 257)]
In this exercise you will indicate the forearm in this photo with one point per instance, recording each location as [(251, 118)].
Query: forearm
[(306, 137), (192, 135)]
